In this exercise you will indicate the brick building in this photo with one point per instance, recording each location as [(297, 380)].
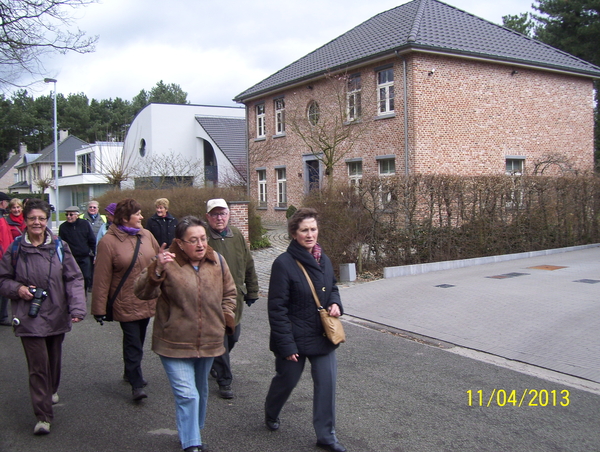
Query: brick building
[(422, 88)]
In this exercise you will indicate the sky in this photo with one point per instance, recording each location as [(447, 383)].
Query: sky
[(212, 49)]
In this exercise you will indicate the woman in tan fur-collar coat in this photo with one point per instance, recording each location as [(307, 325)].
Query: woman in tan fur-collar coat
[(195, 309)]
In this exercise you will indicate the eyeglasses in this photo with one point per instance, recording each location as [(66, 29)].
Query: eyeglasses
[(40, 219), (92, 207), (195, 241), (71, 214), (219, 214)]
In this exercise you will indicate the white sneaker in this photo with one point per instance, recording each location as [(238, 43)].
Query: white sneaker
[(41, 428), (55, 398)]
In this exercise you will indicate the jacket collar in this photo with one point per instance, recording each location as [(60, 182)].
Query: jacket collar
[(300, 253), (121, 235), (217, 236)]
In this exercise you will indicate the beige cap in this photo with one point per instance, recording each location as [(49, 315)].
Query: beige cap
[(219, 202)]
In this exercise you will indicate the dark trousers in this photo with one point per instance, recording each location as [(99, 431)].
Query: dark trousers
[(222, 364), (134, 334), (4, 309), (44, 356), (324, 374), (85, 265)]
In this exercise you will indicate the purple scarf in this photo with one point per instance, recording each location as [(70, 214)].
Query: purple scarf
[(128, 230)]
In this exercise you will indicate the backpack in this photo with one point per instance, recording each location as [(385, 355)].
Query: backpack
[(14, 249)]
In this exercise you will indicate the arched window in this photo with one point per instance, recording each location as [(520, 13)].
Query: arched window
[(313, 113), (142, 147)]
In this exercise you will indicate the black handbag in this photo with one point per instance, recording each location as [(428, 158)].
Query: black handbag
[(109, 306)]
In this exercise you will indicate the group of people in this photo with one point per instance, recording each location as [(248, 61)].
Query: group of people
[(194, 277)]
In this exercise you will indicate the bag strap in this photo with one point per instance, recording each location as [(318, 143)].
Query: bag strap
[(310, 283), (126, 275)]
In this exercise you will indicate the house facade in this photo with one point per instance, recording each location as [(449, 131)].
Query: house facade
[(422, 88), (169, 144)]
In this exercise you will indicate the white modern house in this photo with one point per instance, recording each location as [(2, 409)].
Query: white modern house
[(93, 163), (196, 145)]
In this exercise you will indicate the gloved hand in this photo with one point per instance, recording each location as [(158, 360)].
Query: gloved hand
[(249, 301), (100, 319)]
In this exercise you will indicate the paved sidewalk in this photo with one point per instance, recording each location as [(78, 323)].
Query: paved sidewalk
[(543, 311)]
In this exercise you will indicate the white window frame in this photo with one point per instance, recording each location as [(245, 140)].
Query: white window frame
[(386, 166), (385, 91), (514, 166), (261, 175), (279, 105), (86, 163), (355, 171), (281, 187), (353, 98), (260, 121)]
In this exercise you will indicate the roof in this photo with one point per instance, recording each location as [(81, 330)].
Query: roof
[(229, 134), (66, 150), (9, 164), (422, 25)]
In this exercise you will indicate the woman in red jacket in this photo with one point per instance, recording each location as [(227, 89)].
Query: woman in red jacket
[(15, 218)]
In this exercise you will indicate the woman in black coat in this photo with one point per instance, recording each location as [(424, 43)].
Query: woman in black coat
[(296, 329)]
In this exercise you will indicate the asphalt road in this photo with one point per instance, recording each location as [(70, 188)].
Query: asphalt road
[(395, 394)]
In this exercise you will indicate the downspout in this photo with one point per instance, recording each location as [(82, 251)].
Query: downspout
[(247, 156), (405, 92)]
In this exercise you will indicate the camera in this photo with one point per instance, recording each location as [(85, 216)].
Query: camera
[(39, 295)]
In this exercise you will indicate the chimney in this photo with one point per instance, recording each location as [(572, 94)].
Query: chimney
[(22, 149), (63, 134)]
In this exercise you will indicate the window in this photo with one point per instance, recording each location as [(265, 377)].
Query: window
[(353, 98), (313, 113), (260, 121), (262, 188), (387, 166), (514, 166), (279, 116), (281, 188), (59, 171), (355, 173), (142, 147), (385, 91), (85, 163)]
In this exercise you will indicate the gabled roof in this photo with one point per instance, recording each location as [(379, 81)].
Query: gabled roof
[(230, 135), (9, 164), (27, 159), (66, 151), (423, 25)]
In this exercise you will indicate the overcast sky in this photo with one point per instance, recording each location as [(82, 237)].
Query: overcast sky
[(213, 49)]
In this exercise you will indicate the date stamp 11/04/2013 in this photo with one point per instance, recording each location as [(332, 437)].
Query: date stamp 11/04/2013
[(519, 398)]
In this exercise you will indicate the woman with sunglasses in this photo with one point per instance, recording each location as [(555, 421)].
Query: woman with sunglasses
[(41, 276), (195, 308)]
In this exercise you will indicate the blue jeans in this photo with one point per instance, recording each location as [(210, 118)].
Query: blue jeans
[(189, 383)]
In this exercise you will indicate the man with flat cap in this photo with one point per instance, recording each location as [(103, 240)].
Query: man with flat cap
[(78, 233), (5, 240), (231, 244)]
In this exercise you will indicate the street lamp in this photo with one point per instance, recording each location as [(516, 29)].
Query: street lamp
[(56, 209)]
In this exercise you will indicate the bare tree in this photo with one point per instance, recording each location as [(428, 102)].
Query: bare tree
[(33, 28), (169, 170), (44, 183), (332, 126), (116, 167), (553, 159)]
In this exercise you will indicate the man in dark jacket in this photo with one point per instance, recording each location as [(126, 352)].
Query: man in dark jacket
[(162, 223), (231, 244), (78, 233)]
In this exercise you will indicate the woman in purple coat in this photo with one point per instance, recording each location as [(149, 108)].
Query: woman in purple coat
[(41, 277)]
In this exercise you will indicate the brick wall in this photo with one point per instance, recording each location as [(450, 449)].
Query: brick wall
[(238, 217), (465, 118)]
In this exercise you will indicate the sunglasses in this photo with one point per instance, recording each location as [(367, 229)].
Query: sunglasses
[(72, 214)]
